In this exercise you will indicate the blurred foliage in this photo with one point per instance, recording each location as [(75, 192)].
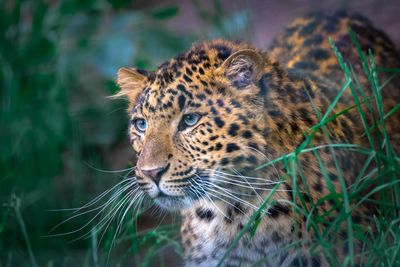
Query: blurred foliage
[(58, 60)]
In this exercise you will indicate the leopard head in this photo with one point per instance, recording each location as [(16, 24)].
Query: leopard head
[(195, 117)]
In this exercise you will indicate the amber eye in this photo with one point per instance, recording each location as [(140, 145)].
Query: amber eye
[(140, 125), (189, 120)]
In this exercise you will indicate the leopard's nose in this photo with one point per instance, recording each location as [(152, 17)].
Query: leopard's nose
[(155, 173)]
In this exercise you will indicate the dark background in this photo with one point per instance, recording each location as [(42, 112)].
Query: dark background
[(58, 132)]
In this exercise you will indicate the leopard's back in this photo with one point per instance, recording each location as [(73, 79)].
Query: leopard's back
[(304, 47)]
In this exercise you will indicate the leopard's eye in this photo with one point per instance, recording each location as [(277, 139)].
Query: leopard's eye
[(189, 120), (140, 125)]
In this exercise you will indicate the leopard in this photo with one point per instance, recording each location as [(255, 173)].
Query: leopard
[(208, 126)]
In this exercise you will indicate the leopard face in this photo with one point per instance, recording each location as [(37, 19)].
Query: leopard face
[(195, 116)]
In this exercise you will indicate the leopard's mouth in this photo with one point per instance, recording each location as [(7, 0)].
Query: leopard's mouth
[(192, 189)]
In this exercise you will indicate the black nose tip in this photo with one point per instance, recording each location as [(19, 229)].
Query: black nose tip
[(155, 173)]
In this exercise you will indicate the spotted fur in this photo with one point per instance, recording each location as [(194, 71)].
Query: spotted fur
[(253, 106)]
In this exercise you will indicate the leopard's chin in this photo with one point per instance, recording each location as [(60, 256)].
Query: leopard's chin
[(173, 203)]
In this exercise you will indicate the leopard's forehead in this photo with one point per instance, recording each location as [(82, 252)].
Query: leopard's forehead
[(195, 64), (186, 79), (164, 103)]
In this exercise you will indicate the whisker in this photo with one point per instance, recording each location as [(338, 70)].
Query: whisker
[(133, 200), (102, 207), (133, 179), (99, 226), (245, 181), (133, 197), (233, 175), (221, 180), (266, 157), (118, 227), (112, 171), (208, 197), (258, 151), (231, 196), (195, 191), (221, 199), (96, 199), (253, 189), (103, 221), (227, 202)]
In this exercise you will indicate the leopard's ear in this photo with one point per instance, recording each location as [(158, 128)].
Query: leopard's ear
[(131, 82), (242, 68)]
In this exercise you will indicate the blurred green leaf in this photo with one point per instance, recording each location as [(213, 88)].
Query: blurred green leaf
[(118, 4), (5, 211), (165, 12)]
